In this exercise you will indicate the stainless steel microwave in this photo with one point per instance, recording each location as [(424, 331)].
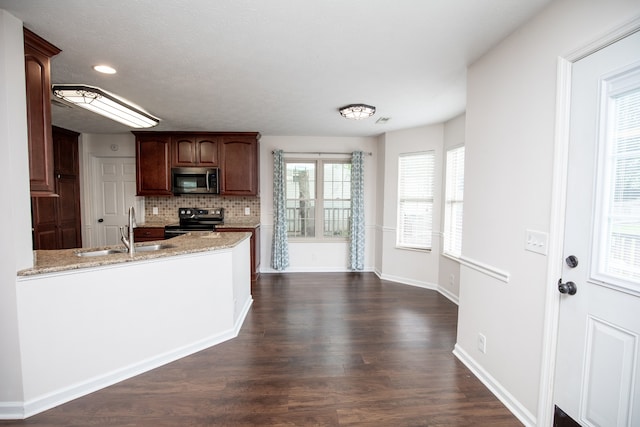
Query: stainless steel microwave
[(195, 180)]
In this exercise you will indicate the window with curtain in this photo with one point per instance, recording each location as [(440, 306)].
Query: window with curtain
[(415, 200), (453, 203), (318, 199)]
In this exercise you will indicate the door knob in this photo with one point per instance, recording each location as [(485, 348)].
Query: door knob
[(101, 220), (567, 288)]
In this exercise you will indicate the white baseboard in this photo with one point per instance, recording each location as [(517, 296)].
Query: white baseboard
[(11, 411), (315, 270), (407, 281), (21, 410), (449, 295), (512, 404)]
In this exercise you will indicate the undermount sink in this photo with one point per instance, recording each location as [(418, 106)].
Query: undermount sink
[(156, 247), (101, 253), (105, 252)]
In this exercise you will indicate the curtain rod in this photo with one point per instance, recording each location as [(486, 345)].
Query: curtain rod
[(320, 153)]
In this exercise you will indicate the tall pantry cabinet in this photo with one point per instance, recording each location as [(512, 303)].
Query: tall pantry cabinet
[(56, 220)]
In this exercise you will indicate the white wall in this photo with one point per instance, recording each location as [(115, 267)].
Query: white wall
[(419, 268), (316, 256), (511, 95), (448, 269), (16, 243)]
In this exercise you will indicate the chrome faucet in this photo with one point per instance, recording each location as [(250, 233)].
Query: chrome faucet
[(128, 241)]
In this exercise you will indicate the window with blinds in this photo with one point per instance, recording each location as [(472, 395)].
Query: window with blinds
[(415, 199), (453, 204), (619, 217)]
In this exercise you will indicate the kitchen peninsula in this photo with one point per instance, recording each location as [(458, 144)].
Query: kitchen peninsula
[(87, 322)]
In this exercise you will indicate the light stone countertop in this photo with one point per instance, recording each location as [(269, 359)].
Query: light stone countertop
[(229, 222), (51, 261)]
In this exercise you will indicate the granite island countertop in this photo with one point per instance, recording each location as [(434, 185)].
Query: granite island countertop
[(51, 261)]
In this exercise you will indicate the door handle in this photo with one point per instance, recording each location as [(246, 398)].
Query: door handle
[(567, 288), (101, 220)]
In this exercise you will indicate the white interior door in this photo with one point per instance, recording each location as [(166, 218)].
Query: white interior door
[(597, 380), (115, 192)]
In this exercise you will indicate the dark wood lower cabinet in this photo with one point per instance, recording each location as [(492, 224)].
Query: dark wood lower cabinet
[(255, 247), (56, 219), (148, 234)]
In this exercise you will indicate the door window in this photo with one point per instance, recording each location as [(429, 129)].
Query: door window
[(618, 220)]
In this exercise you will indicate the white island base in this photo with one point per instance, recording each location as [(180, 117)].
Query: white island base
[(83, 330)]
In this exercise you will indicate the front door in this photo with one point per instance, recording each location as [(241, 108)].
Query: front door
[(597, 380), (115, 191)]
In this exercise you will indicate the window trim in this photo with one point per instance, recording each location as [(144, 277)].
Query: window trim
[(445, 252)]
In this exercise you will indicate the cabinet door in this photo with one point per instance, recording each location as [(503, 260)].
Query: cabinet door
[(194, 150), (37, 54), (45, 227), (239, 167), (153, 165), (68, 212), (65, 151), (184, 151), (207, 152)]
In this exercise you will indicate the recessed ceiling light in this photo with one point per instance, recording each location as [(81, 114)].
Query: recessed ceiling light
[(105, 69)]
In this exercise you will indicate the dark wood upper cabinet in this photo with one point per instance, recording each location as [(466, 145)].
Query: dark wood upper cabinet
[(195, 150), (237, 154), (240, 168), (153, 164), (37, 55)]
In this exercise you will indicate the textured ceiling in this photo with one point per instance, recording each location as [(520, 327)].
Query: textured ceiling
[(279, 67)]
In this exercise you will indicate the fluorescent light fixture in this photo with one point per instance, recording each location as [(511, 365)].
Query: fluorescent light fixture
[(357, 111), (106, 104)]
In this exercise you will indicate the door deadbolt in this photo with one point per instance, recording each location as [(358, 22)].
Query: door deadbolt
[(572, 261)]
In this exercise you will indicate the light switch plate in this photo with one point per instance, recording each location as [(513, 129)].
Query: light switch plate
[(536, 241), (155, 210), (247, 211)]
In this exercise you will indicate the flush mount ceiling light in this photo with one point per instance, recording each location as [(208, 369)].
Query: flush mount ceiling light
[(105, 69), (106, 104), (357, 111)]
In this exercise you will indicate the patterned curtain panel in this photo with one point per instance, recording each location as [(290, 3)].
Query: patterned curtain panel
[(356, 254), (279, 246)]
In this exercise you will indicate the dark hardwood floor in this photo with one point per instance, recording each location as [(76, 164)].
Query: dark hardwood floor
[(332, 349)]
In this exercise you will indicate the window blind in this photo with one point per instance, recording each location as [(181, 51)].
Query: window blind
[(621, 257), (415, 199), (454, 201)]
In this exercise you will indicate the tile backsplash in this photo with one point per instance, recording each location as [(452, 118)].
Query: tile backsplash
[(168, 206)]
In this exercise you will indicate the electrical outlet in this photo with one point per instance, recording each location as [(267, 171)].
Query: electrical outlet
[(452, 279), (155, 210), (247, 211), (482, 343)]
